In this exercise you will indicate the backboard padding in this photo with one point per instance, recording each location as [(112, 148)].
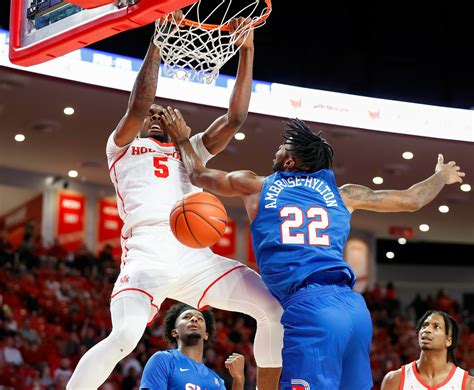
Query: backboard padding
[(79, 30)]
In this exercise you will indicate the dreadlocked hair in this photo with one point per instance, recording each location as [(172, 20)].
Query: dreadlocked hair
[(175, 311), (451, 327), (310, 150)]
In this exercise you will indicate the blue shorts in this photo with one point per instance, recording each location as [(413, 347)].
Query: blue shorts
[(328, 331)]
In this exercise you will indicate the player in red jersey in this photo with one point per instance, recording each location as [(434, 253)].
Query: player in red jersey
[(149, 177), (436, 368)]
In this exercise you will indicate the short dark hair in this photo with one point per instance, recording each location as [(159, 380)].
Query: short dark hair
[(311, 151), (175, 311), (451, 327)]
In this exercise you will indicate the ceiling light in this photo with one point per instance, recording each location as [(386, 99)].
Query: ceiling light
[(377, 180), (443, 209), (465, 187), (239, 136), (424, 227), (19, 138), (73, 173), (68, 110), (407, 155), (390, 255), (402, 240)]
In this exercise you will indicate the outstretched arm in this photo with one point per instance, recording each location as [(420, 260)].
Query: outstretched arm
[(141, 98), (237, 183), (360, 197), (221, 131)]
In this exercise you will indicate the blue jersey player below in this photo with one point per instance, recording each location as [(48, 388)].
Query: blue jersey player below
[(182, 368), (300, 221)]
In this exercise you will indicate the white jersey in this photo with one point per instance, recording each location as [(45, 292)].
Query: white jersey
[(149, 178), (411, 380)]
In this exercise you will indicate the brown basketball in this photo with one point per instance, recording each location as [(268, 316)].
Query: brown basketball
[(198, 220)]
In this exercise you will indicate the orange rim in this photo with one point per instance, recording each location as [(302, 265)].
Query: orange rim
[(225, 27)]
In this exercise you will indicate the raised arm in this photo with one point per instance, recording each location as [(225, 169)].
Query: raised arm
[(221, 131), (235, 363), (360, 197), (141, 98)]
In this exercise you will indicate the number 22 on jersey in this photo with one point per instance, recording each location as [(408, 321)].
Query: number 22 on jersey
[(317, 219)]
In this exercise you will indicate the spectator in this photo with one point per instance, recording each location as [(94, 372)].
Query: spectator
[(28, 333), (62, 373), (11, 354), (131, 362), (45, 378), (131, 380)]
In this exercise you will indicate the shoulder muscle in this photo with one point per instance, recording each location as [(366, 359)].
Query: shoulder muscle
[(392, 380)]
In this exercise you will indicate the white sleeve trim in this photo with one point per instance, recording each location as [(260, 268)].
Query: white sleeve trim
[(112, 150), (200, 148)]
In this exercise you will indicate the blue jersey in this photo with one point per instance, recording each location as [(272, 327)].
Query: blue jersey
[(174, 371), (300, 232)]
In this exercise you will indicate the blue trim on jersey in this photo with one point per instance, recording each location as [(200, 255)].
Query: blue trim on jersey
[(173, 370), (285, 266)]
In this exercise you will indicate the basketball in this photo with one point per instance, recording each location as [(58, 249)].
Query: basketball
[(198, 220)]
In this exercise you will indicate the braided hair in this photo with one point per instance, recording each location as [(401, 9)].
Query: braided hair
[(451, 327), (175, 311), (309, 149)]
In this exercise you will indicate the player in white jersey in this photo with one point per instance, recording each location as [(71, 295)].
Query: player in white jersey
[(436, 368), (149, 178)]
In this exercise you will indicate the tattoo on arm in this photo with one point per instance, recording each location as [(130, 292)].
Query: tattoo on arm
[(144, 89), (363, 194), (412, 199), (427, 190)]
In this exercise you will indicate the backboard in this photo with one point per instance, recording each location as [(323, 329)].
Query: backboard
[(41, 30)]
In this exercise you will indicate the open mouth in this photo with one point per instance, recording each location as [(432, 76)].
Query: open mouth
[(155, 128)]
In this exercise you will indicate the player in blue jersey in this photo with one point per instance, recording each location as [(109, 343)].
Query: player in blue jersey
[(300, 221), (182, 368)]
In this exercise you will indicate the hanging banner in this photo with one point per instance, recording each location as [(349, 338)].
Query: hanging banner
[(110, 226), (71, 220), (226, 245), (24, 222)]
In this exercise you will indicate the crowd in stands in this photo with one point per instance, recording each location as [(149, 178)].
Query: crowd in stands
[(55, 306)]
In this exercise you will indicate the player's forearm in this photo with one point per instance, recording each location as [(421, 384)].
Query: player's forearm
[(210, 179), (144, 89), (240, 97), (425, 191), (238, 383), (192, 163)]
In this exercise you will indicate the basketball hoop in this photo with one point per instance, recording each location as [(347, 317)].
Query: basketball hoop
[(194, 48)]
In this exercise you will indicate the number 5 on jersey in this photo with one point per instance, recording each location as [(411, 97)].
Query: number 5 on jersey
[(161, 169), (295, 218)]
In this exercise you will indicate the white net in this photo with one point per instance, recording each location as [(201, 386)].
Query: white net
[(195, 49)]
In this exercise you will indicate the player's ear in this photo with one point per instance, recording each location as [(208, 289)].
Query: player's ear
[(449, 341), (174, 333), (289, 163), (206, 336)]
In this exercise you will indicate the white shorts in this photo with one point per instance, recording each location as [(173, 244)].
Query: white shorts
[(156, 264)]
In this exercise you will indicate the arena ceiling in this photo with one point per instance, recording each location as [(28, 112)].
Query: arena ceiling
[(56, 143), (411, 51)]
